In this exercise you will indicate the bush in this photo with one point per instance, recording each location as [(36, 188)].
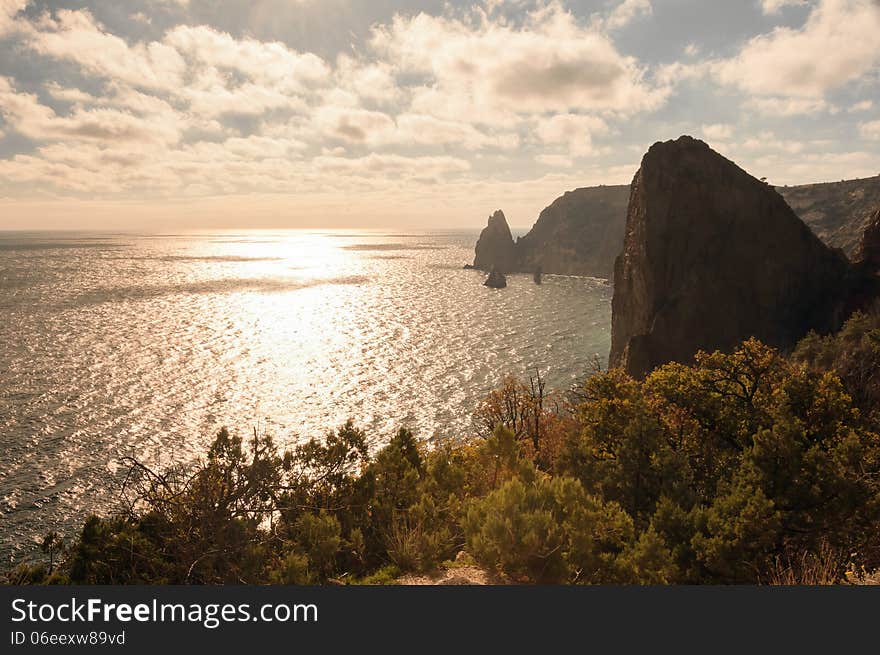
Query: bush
[(547, 530)]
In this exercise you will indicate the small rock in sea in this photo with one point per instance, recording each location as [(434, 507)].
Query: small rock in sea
[(496, 280), (468, 267), (538, 275)]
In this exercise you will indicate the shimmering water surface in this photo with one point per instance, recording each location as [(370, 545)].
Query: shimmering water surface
[(144, 345)]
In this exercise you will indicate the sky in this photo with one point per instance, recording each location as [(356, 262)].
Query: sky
[(381, 113)]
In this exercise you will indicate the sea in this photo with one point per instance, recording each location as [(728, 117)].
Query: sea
[(145, 345)]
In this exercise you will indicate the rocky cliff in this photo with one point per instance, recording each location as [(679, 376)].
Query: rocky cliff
[(581, 232), (495, 247), (713, 256), (868, 253)]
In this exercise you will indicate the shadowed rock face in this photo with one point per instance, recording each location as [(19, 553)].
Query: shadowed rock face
[(869, 249), (713, 256), (581, 233), (495, 248)]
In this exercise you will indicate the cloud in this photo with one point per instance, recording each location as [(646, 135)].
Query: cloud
[(775, 6), (379, 165), (836, 45), (870, 130), (352, 124), (374, 80), (141, 17), (24, 113), (492, 70), (428, 130), (805, 167), (471, 102), (864, 105), (572, 131), (768, 142), (8, 10), (76, 36), (555, 161), (211, 70), (788, 106), (265, 64), (718, 131), (626, 12)]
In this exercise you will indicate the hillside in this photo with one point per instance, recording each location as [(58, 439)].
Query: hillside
[(838, 212)]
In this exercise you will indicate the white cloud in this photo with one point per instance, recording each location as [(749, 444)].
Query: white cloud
[(718, 131), (768, 142), (373, 80), (775, 6), (76, 36), (864, 105), (374, 165), (870, 130), (626, 12), (571, 130), (8, 10), (837, 45), (428, 130), (353, 125), (266, 64), (555, 161), (197, 112), (197, 64), (490, 70), (807, 167), (24, 113), (788, 106)]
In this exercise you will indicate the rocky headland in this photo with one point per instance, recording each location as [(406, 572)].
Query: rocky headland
[(713, 256), (581, 232), (578, 234)]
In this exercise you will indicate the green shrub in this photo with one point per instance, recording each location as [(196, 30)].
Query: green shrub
[(547, 530)]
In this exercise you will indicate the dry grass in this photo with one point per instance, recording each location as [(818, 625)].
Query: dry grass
[(810, 569)]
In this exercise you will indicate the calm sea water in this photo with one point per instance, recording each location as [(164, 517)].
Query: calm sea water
[(144, 345)]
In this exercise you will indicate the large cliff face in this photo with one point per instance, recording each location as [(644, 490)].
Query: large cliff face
[(495, 248), (713, 256), (579, 234)]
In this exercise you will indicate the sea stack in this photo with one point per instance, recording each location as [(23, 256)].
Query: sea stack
[(496, 280), (713, 256), (495, 248)]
